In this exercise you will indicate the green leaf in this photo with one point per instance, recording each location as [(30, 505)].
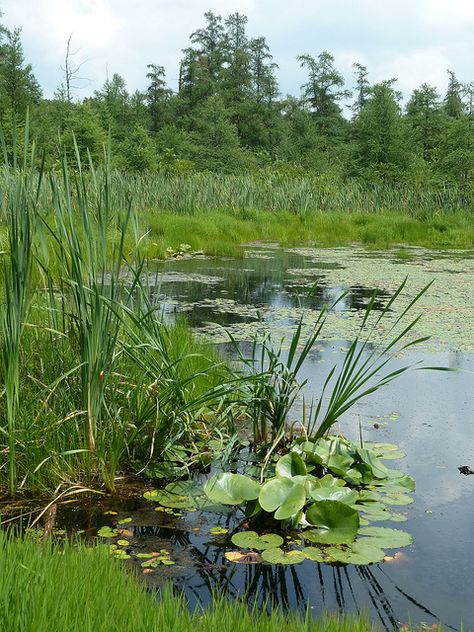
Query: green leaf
[(291, 465), (278, 556), (342, 494), (387, 538), (337, 522), (360, 553), (107, 532), (313, 553), (330, 481), (231, 489), (283, 496), (369, 458), (251, 540)]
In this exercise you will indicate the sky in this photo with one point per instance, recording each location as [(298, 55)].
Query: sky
[(413, 40)]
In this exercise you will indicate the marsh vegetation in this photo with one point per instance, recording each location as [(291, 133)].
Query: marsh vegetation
[(186, 399)]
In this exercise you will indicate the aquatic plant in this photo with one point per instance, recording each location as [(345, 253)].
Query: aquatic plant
[(275, 387), (329, 490), (17, 267)]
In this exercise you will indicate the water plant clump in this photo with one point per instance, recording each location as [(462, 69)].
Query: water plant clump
[(320, 489)]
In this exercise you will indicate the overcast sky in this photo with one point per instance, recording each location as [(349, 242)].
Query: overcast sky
[(414, 40)]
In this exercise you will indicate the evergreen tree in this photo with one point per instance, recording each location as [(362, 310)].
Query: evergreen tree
[(381, 150), (264, 83), (322, 92), (361, 89), (19, 88), (217, 139), (157, 97), (113, 105), (425, 119), (202, 65), (453, 105)]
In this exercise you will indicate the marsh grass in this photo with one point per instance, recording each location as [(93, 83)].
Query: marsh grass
[(72, 587), (221, 233), (17, 269), (364, 370)]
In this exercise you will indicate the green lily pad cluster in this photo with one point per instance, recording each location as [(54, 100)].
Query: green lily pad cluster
[(154, 559), (121, 548), (333, 510)]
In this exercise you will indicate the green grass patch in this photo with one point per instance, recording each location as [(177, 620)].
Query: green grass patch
[(221, 233), (65, 587)]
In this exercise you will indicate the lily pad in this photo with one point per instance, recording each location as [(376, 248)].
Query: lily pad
[(342, 494), (338, 523), (387, 538), (291, 465), (278, 556), (231, 489), (239, 557), (313, 553), (218, 530), (107, 532), (251, 540), (282, 495), (360, 553)]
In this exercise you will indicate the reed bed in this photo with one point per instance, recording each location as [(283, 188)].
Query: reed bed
[(93, 381)]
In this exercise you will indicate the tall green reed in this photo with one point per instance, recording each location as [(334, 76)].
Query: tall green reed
[(89, 236), (17, 267), (275, 387)]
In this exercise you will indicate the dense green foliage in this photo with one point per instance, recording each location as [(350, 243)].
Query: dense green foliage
[(229, 116)]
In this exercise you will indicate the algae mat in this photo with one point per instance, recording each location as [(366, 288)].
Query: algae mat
[(447, 308)]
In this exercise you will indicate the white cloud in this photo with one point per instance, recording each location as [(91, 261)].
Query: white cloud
[(416, 67), (444, 14), (415, 40)]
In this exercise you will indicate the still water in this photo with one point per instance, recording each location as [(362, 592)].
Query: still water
[(429, 414)]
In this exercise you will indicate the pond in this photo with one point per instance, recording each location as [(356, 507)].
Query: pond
[(429, 414)]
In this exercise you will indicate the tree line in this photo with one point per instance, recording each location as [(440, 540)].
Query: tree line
[(228, 115)]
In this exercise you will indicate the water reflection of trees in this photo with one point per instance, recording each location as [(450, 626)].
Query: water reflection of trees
[(256, 283)]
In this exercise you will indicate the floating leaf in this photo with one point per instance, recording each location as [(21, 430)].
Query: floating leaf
[(231, 489), (338, 523), (291, 465), (360, 553), (370, 459), (249, 557), (110, 513), (387, 538), (283, 496), (124, 521), (107, 532), (342, 494), (313, 553), (251, 540), (218, 530), (123, 542), (278, 556)]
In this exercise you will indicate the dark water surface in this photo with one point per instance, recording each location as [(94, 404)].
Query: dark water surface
[(430, 415)]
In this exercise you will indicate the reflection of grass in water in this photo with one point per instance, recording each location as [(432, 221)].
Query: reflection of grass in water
[(221, 232), (43, 587)]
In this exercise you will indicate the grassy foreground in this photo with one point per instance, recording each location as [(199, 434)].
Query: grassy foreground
[(222, 232), (68, 588)]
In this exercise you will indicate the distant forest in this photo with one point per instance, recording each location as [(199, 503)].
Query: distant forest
[(228, 115)]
